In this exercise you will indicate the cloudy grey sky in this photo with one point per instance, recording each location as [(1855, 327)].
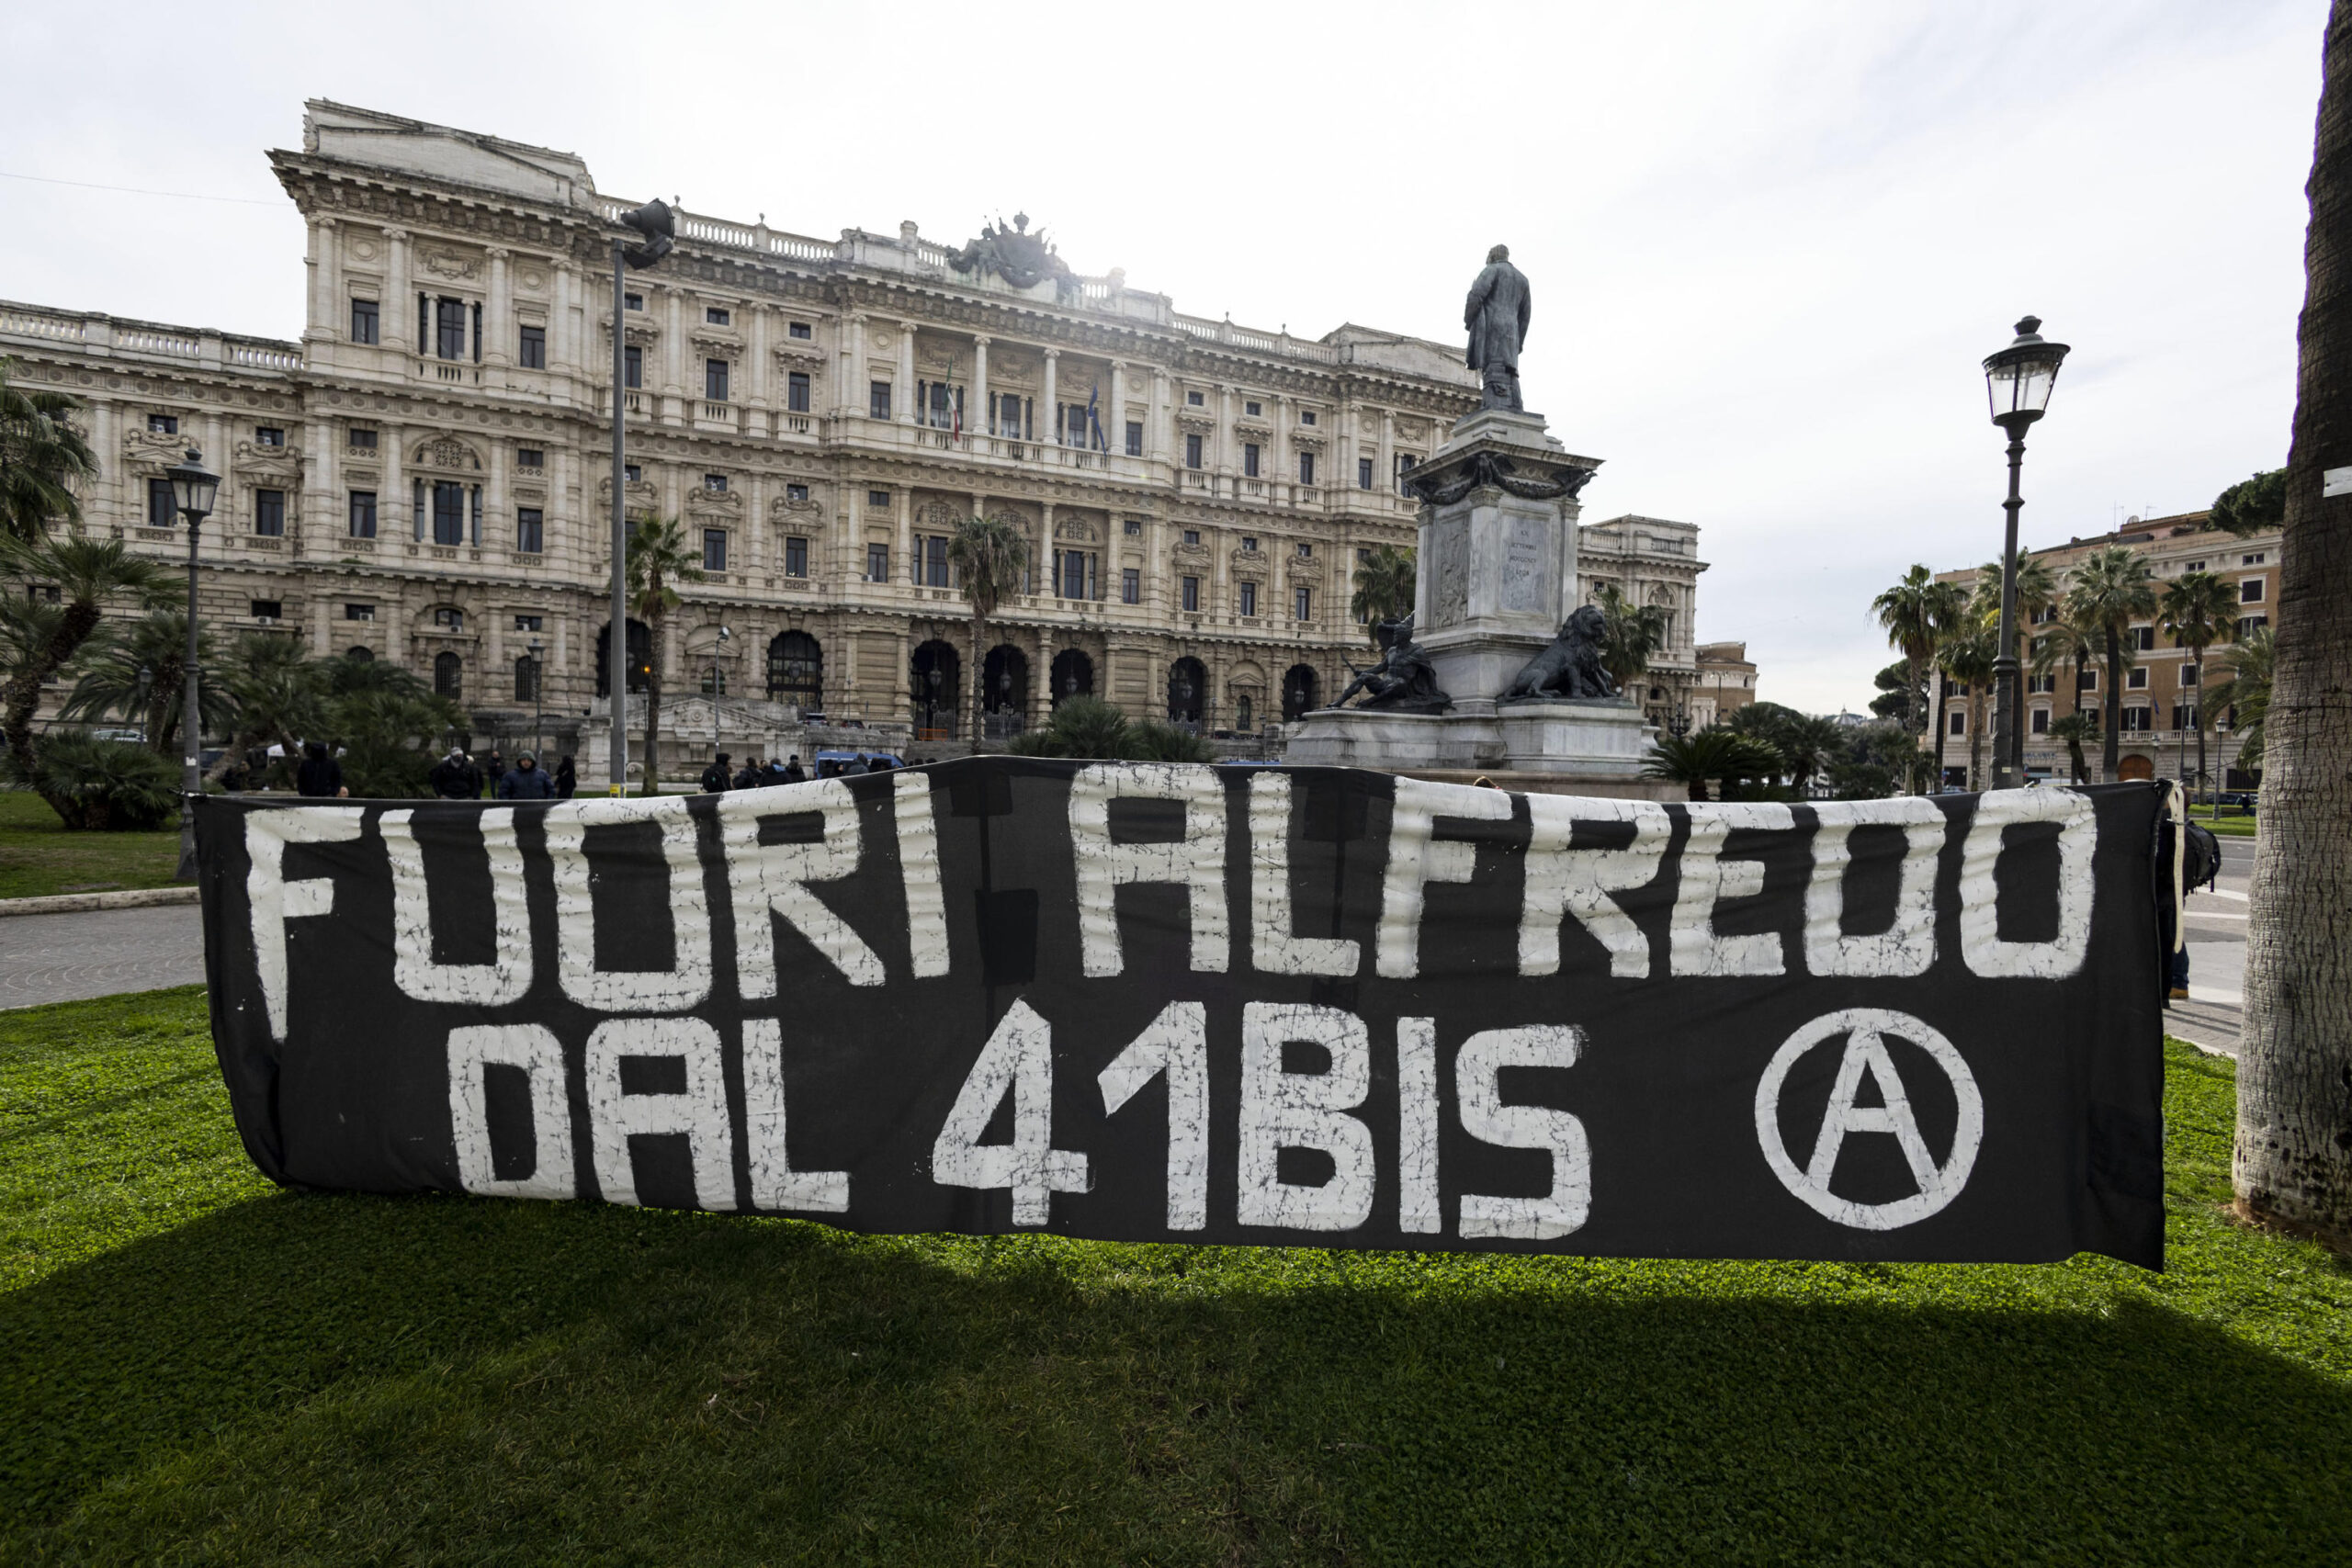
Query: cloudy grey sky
[(1769, 242)]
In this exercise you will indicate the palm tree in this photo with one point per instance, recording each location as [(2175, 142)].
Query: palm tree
[(274, 691), (41, 458), (2074, 728), (137, 673), (1914, 614), (2198, 610), (1384, 582), (1629, 636), (659, 558), (2292, 1159), (2110, 587), (2037, 587), (1714, 752), (88, 574), (2246, 671), (990, 555), (1806, 745), (1966, 654)]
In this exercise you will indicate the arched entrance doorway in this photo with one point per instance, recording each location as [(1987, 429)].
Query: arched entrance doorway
[(934, 682), (1073, 676), (1298, 692), (641, 657), (1188, 683), (797, 672), (2135, 769), (1004, 690), (449, 675)]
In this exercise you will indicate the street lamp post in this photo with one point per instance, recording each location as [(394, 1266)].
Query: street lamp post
[(539, 700), (1681, 723), (2017, 384), (655, 221), (193, 489)]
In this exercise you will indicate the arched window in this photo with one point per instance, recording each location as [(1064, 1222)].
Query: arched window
[(1005, 690), (1188, 683), (449, 675), (360, 655), (1244, 713), (1073, 676), (933, 681), (526, 679), (797, 672), (641, 657), (1298, 692)]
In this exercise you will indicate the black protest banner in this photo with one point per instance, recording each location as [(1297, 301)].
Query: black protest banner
[(1232, 1005)]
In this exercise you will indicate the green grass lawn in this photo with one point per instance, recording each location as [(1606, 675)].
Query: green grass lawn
[(195, 1367), (38, 857)]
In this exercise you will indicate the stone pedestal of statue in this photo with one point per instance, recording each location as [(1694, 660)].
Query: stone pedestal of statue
[(1498, 558)]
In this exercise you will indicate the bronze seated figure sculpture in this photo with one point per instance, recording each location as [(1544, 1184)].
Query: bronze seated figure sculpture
[(1403, 682)]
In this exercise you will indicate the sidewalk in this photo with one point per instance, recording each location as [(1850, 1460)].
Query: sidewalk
[(67, 957)]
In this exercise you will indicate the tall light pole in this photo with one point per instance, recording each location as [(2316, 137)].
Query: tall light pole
[(2016, 383), (655, 221), (193, 489)]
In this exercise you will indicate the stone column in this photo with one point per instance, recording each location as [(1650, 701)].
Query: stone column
[(563, 353), (1156, 419), (848, 396), (673, 342), (906, 562), (978, 415), (759, 374), (497, 316), (902, 396), (1041, 556), (1049, 399), (322, 262), (1114, 424), (1384, 477), (1221, 459), (396, 317)]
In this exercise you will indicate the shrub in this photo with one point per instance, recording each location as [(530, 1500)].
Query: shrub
[(1157, 742), (107, 785)]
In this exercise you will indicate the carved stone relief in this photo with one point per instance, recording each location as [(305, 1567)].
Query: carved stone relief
[(1450, 597)]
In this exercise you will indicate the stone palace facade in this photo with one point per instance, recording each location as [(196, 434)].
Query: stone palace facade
[(424, 477)]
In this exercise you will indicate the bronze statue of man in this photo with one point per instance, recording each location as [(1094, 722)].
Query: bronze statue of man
[(1497, 321)]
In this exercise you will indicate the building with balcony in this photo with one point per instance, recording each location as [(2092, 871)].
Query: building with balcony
[(426, 475), (2161, 685)]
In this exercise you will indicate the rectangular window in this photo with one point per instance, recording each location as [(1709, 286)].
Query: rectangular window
[(1073, 574), (448, 329), (476, 337), (1959, 724), (2255, 559), (363, 513), (714, 550), (2137, 680), (715, 317), (362, 440), (162, 510), (1253, 410), (163, 424), (1134, 438), (2249, 625), (2188, 674), (1192, 594), (449, 514), (1249, 543), (1307, 416), (359, 611), (452, 618), (2042, 721), (632, 301), (269, 512), (878, 400), (530, 537), (269, 435), (877, 563), (2087, 680), (1192, 451), (1364, 473), (1130, 586), (1191, 535), (531, 351), (265, 609), (796, 492), (631, 473), (530, 457), (1194, 399), (2250, 590), (800, 328), (2143, 639), (530, 623), (1249, 459), (1404, 461), (633, 366), (1302, 604), (714, 380), (877, 500), (1307, 468), (1133, 527), (936, 568), (1305, 551), (2135, 721), (714, 484), (796, 556), (795, 392), (364, 328)]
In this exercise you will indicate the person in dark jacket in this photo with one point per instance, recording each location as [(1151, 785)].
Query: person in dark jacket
[(715, 777), (492, 772), (792, 774), (567, 779), (751, 776), (453, 777), (321, 776), (524, 781)]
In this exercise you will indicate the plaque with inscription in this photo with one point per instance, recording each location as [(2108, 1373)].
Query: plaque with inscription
[(1523, 560)]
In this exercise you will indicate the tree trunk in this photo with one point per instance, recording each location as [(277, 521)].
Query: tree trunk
[(2293, 1153), (1919, 710), (1935, 697), (2201, 776), (652, 778), (2110, 706), (980, 676), (1975, 753), (21, 697)]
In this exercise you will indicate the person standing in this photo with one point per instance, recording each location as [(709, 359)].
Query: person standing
[(716, 778), (752, 775), (524, 781), (453, 777), (321, 776), (792, 774), (566, 779), (492, 775)]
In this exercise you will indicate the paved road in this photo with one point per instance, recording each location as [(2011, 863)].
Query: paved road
[(96, 953), (2216, 927)]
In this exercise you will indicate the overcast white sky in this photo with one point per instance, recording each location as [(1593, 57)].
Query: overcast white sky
[(1769, 243)]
